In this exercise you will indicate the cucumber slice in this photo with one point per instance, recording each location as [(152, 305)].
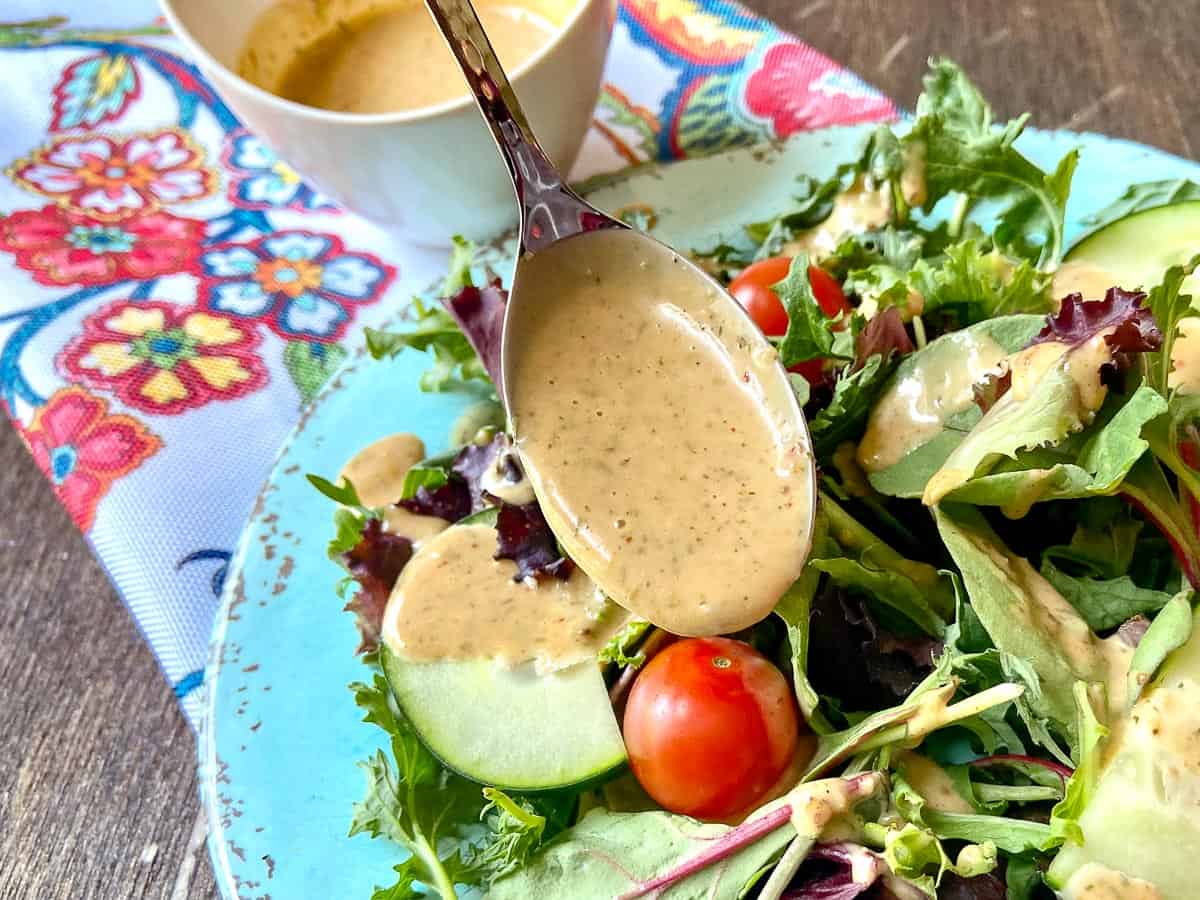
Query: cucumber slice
[(1142, 819), (510, 728), (1139, 248)]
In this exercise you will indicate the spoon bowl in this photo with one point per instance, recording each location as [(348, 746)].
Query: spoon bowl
[(654, 420)]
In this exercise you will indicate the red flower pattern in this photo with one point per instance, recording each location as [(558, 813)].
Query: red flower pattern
[(83, 450), (61, 247), (799, 89)]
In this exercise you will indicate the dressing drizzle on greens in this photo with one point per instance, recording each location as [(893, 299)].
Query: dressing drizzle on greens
[(998, 604)]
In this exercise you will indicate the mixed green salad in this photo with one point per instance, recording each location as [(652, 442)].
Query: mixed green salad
[(985, 684)]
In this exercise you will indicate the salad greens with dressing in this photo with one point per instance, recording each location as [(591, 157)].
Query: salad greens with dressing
[(985, 684)]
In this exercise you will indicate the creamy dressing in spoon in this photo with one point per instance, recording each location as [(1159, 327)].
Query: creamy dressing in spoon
[(643, 412)]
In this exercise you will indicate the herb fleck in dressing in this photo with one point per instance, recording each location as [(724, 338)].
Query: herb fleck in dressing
[(454, 601), (377, 473), (642, 411)]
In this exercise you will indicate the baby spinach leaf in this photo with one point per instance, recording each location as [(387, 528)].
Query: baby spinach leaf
[(924, 373), (1104, 540), (607, 854), (1027, 618), (1104, 603)]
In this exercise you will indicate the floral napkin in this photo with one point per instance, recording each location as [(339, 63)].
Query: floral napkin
[(172, 293)]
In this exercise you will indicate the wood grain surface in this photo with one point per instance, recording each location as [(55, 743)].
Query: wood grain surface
[(97, 789)]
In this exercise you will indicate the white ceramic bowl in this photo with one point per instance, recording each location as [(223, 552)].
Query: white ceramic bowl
[(426, 173)]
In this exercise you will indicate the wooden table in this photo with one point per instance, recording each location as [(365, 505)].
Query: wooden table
[(97, 789)]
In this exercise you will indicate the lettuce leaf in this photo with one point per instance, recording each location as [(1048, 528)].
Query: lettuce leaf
[(1104, 603), (924, 371), (433, 331), (810, 332), (1091, 463), (607, 854), (854, 393), (1169, 631), (1067, 390), (1145, 195), (375, 562), (1027, 618), (966, 154), (914, 589)]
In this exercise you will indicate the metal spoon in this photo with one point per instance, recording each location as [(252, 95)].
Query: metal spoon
[(559, 234)]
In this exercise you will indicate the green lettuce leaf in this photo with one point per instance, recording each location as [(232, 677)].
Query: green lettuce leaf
[(619, 650), (854, 393), (1093, 462), (1145, 195), (412, 800), (349, 519), (795, 609), (1104, 603), (1081, 786), (1170, 630), (924, 372), (1027, 618), (1056, 406), (966, 154), (810, 332), (606, 854), (978, 285), (454, 832), (986, 831), (916, 590), (433, 331), (1170, 306)]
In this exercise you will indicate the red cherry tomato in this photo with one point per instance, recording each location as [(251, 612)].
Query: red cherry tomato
[(710, 726), (753, 289)]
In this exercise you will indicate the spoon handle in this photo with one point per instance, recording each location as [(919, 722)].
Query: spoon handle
[(549, 209)]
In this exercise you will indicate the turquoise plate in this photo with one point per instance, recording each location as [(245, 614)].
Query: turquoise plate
[(281, 733)]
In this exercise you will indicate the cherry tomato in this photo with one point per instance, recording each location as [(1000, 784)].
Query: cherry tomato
[(753, 289), (710, 726)]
